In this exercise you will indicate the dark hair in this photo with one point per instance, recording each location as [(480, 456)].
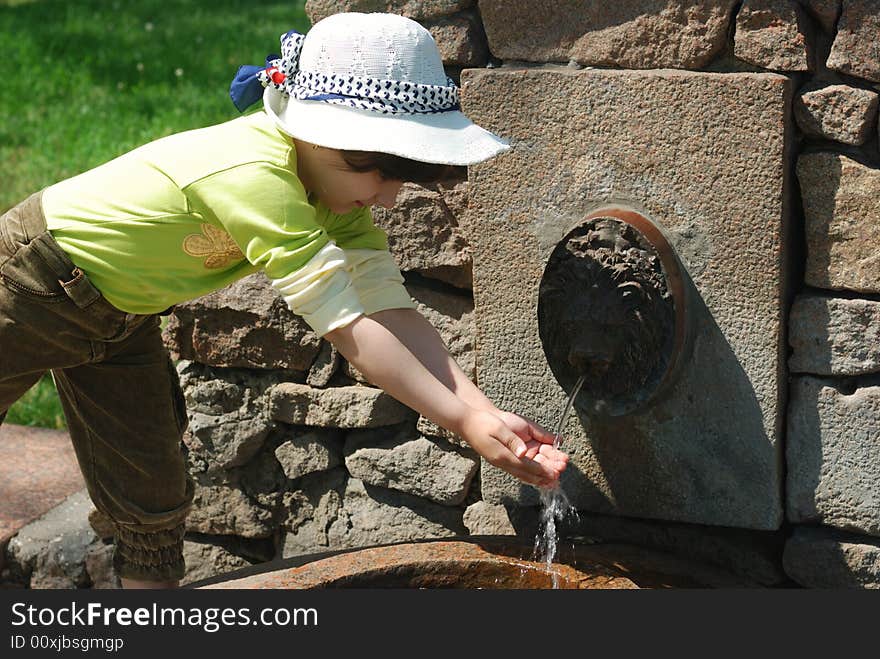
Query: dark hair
[(400, 169)]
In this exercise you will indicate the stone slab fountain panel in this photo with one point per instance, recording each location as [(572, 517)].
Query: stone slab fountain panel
[(705, 157)]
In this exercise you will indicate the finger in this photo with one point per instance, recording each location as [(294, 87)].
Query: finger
[(553, 453), (513, 442), (541, 434), (555, 468), (539, 469), (553, 456), (556, 465), (526, 470), (532, 449)]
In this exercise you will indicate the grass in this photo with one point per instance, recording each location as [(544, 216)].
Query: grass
[(91, 79), (39, 407), (88, 80)]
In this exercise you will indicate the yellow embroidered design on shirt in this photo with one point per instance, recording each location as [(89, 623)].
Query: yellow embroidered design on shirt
[(218, 248)]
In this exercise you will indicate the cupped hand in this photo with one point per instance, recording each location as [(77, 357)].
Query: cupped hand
[(524, 450), (537, 439)]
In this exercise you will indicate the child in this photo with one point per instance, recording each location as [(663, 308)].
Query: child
[(351, 111)]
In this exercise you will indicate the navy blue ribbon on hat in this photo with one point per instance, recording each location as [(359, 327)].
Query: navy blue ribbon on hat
[(247, 85), (246, 88)]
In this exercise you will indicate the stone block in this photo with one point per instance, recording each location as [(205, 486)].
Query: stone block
[(703, 155), (99, 566), (409, 463), (336, 407), (247, 324), (425, 231), (772, 34), (310, 510), (242, 501), (263, 478), (824, 558), (101, 524), (833, 442), (841, 200), (483, 518), (431, 429), (452, 316), (353, 375), (225, 509), (643, 34), (837, 112), (834, 336), (205, 560), (325, 366), (307, 451), (856, 49), (461, 40), (372, 516), (227, 416), (332, 511), (52, 550)]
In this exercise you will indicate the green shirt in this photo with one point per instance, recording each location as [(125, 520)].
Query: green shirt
[(190, 213)]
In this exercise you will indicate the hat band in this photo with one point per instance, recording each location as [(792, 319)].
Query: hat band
[(374, 94)]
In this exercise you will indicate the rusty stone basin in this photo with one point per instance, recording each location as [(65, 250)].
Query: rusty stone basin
[(494, 562)]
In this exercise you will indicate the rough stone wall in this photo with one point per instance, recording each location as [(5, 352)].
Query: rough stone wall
[(829, 428), (584, 135), (832, 487), (294, 453)]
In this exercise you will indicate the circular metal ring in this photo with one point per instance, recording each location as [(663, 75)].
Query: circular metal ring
[(612, 307)]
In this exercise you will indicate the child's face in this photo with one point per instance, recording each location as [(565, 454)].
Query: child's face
[(325, 173)]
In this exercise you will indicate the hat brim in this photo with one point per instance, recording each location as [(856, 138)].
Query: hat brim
[(448, 138)]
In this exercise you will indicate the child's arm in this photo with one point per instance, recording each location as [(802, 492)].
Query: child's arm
[(423, 340), (379, 354)]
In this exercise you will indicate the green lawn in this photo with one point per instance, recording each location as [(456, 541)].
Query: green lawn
[(87, 80), (39, 407)]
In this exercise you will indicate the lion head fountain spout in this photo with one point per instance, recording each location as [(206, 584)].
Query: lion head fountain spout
[(612, 308)]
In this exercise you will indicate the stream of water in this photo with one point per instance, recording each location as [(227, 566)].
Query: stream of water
[(555, 506)]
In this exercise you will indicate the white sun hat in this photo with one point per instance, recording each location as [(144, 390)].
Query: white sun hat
[(372, 82)]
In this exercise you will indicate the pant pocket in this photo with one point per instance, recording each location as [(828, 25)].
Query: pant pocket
[(26, 272)]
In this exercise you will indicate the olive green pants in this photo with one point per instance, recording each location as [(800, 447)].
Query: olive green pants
[(118, 388)]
